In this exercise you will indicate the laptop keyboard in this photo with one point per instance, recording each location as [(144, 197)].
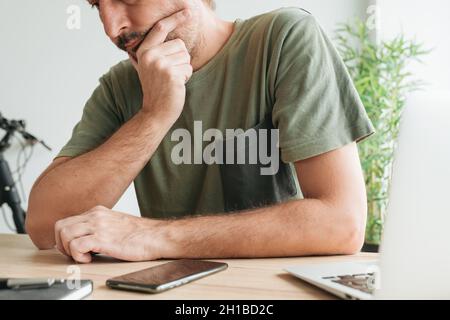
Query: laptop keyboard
[(364, 282)]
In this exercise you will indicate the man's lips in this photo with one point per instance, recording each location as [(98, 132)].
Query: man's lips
[(132, 48), (133, 45)]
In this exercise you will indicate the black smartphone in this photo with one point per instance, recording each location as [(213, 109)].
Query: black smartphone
[(166, 276)]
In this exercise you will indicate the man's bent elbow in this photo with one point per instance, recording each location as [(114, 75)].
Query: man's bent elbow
[(40, 233), (353, 234)]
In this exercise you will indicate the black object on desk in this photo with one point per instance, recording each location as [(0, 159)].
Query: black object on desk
[(44, 289)]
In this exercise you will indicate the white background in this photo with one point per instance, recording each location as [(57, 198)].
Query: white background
[(47, 72)]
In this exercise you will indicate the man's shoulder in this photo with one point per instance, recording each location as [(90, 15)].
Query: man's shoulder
[(285, 15), (122, 84), (122, 71), (283, 18)]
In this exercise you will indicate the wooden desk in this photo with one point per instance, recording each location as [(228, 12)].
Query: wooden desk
[(244, 279)]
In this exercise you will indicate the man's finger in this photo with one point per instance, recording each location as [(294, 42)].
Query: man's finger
[(59, 225), (171, 47), (185, 70), (168, 48), (72, 232), (81, 248), (161, 30), (179, 59)]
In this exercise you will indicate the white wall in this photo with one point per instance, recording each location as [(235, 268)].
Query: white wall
[(47, 72), (428, 22)]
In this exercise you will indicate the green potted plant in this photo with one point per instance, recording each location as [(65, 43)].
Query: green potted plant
[(381, 76)]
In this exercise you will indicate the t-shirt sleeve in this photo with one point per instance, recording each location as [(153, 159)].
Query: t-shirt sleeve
[(100, 119), (317, 108)]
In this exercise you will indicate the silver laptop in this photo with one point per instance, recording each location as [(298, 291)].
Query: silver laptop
[(414, 261)]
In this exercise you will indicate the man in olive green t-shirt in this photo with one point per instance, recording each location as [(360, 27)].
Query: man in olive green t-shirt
[(154, 119)]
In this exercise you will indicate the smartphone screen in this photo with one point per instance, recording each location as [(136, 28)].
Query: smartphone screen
[(166, 276)]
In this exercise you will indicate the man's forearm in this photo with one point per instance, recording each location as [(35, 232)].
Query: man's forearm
[(296, 228), (99, 177)]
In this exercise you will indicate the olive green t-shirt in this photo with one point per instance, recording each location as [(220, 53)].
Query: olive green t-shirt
[(278, 70)]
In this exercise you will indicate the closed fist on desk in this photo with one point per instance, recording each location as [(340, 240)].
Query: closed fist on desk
[(115, 234)]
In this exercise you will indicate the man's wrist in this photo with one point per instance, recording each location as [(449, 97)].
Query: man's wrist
[(159, 123), (162, 118), (160, 239)]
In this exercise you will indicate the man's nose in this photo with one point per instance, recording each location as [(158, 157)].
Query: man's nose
[(114, 17)]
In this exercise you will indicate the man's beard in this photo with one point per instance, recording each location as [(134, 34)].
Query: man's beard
[(189, 38), (125, 39)]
